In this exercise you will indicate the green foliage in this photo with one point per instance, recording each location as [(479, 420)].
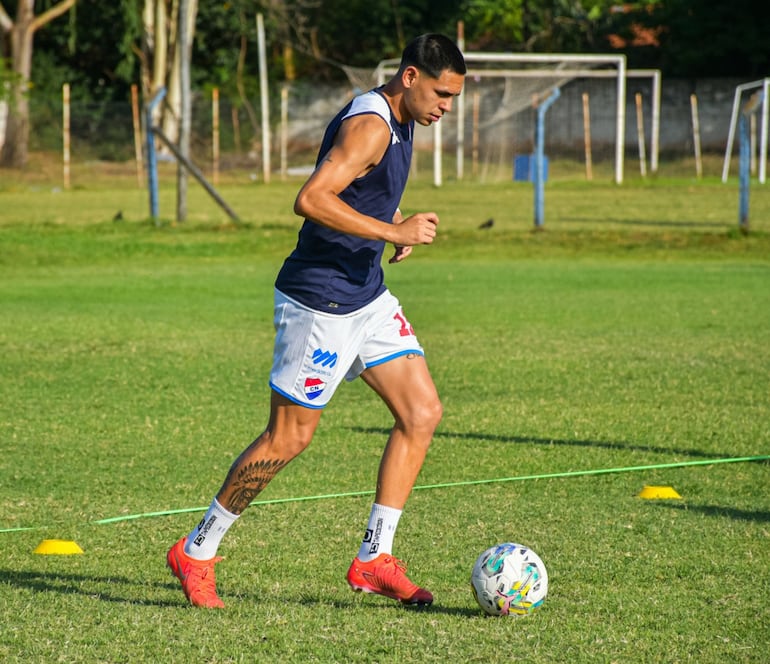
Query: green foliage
[(363, 32), (7, 79), (219, 30), (93, 54), (494, 21), (96, 48), (734, 32), (126, 68)]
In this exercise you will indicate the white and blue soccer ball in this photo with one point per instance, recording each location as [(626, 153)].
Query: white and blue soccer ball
[(509, 579)]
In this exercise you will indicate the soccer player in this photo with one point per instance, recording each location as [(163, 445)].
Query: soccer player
[(335, 319)]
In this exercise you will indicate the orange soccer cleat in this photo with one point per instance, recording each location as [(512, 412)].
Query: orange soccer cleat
[(386, 575), (196, 576)]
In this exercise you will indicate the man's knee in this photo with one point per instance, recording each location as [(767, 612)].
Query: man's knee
[(423, 415), (290, 444)]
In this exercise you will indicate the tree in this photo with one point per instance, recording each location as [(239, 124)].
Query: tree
[(163, 56), (22, 31), (360, 33), (700, 39), (563, 26)]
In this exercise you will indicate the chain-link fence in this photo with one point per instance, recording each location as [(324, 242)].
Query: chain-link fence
[(492, 136)]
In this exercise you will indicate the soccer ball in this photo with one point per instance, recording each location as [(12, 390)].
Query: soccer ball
[(509, 579)]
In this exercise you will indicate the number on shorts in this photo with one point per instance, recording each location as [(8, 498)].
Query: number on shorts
[(406, 329)]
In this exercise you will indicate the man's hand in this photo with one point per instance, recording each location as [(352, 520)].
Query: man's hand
[(400, 254), (420, 228)]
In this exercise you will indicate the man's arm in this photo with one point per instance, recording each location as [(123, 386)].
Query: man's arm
[(360, 144)]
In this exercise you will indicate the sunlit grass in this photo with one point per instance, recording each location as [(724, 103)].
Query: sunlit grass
[(632, 333)]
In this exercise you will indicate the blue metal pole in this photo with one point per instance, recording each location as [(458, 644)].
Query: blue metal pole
[(744, 169), (152, 161), (744, 157), (539, 174)]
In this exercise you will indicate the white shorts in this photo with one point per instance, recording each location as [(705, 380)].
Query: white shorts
[(314, 351)]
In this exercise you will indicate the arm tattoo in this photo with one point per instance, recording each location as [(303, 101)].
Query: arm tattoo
[(248, 481)]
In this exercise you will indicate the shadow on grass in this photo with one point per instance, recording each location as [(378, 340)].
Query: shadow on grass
[(131, 593), (120, 589), (620, 445), (758, 516), (373, 602), (721, 225)]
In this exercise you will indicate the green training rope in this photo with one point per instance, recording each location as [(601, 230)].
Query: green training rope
[(444, 485)]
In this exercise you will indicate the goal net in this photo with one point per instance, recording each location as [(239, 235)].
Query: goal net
[(495, 115)]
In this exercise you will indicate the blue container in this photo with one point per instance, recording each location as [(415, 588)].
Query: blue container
[(524, 168)]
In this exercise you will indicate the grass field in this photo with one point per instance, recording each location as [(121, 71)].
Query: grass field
[(632, 335)]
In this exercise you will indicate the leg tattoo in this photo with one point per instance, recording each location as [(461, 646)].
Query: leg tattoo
[(248, 481)]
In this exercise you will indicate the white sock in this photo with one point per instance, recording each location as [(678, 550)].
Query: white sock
[(380, 531), (203, 542)]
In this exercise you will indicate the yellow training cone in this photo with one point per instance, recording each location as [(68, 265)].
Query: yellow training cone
[(658, 492), (58, 547)]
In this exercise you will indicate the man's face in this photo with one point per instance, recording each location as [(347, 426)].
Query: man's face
[(428, 98)]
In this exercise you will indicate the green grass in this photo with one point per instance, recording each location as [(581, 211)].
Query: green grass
[(632, 332)]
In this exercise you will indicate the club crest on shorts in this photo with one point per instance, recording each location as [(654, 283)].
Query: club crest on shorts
[(314, 387)]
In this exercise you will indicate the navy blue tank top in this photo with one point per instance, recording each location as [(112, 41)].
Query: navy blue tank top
[(336, 272)]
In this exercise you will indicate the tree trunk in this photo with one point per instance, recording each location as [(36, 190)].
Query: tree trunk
[(14, 152), (160, 51), (22, 31), (173, 111), (148, 49)]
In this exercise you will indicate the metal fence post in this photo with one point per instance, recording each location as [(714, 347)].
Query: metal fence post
[(539, 174), (152, 161)]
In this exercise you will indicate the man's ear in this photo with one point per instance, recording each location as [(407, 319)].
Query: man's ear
[(409, 76)]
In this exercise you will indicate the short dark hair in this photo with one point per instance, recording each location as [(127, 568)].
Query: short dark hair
[(433, 53)]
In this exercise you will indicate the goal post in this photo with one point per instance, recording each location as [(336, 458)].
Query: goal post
[(535, 73), (740, 90), (655, 76), (562, 61)]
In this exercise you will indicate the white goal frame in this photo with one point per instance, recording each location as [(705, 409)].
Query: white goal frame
[(739, 90), (620, 72)]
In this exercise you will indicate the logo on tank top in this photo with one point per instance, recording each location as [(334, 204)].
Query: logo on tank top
[(314, 387)]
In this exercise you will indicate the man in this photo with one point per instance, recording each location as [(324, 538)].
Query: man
[(335, 319)]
